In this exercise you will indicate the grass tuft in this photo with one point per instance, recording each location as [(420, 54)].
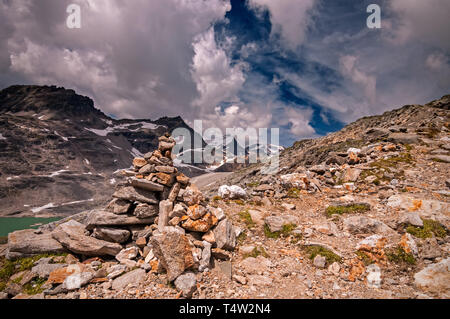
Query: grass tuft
[(346, 209), (313, 251), (398, 255), (293, 193), (246, 218), (258, 251), (34, 287), (429, 228), (286, 231)]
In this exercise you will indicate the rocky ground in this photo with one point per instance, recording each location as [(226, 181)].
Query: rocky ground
[(361, 213)]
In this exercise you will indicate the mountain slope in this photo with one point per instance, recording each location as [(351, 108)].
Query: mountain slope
[(57, 149), (416, 123)]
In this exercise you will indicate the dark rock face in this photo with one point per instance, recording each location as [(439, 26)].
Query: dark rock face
[(58, 153)]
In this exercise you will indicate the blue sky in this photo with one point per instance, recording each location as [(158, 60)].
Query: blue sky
[(308, 67)]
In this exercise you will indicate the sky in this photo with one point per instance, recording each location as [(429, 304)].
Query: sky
[(308, 67)]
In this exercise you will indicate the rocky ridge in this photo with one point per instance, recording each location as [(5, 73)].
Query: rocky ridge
[(360, 213), (59, 154)]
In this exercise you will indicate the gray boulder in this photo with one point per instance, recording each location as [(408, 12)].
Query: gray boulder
[(113, 235), (174, 252), (134, 277), (276, 223), (103, 218), (72, 236), (43, 270), (145, 211), (410, 218), (76, 281), (118, 206), (434, 278), (225, 235), (24, 243), (133, 194), (362, 224), (351, 175), (187, 284), (404, 138), (146, 185)]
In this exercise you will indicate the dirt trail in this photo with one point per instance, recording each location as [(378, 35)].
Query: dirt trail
[(207, 180)]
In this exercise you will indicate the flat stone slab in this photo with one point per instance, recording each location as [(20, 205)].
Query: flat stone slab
[(104, 218), (146, 185), (133, 277), (133, 194), (71, 236), (26, 242)]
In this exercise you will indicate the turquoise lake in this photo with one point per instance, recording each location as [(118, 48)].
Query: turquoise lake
[(10, 224)]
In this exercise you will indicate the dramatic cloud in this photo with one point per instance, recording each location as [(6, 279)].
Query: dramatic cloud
[(215, 78), (423, 21), (368, 83), (132, 58), (290, 18), (307, 67)]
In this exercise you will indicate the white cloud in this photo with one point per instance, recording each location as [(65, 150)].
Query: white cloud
[(290, 18), (437, 62), (215, 78), (368, 82), (416, 20), (132, 57), (300, 122)]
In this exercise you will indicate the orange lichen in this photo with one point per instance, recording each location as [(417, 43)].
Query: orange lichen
[(417, 204)]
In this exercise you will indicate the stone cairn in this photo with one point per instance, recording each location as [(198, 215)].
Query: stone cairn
[(157, 221)]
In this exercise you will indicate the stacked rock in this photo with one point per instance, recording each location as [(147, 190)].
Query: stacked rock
[(169, 219), (156, 220)]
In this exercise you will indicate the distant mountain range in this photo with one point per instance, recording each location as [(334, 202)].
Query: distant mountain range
[(59, 154)]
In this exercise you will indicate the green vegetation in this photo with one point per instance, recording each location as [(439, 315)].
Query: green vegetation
[(10, 267), (269, 234), (241, 238), (296, 238), (293, 193), (246, 218), (346, 209), (313, 251), (34, 287), (253, 184), (398, 255), (429, 228), (438, 160), (239, 202), (409, 147), (389, 165), (392, 162), (286, 231), (364, 258), (258, 251), (430, 131), (216, 198)]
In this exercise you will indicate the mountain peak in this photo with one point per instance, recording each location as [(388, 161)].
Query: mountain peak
[(58, 101)]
